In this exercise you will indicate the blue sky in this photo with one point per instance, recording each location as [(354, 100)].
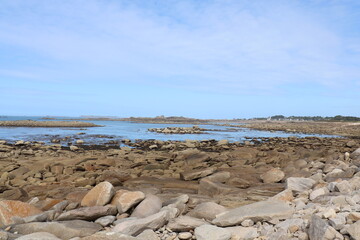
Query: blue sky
[(205, 59)]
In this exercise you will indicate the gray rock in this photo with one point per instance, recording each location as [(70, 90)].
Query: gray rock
[(136, 226), (185, 223), (291, 223), (63, 230), (196, 174), (354, 229), (259, 211), (149, 206), (318, 192), (178, 202), (210, 232), (42, 217), (320, 230), (148, 235), (108, 236), (344, 187), (338, 222), (88, 213), (207, 210), (243, 233), (39, 236), (298, 184), (220, 177), (106, 220)]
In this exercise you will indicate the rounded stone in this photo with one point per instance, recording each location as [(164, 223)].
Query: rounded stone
[(100, 195)]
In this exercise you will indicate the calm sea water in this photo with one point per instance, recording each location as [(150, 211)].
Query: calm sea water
[(118, 130)]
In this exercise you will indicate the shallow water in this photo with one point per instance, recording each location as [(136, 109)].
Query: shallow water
[(118, 130)]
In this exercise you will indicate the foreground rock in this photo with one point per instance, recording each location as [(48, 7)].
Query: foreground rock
[(99, 195), (209, 232), (11, 209), (260, 211), (62, 230)]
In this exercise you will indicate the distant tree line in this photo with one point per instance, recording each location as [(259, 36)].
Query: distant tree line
[(337, 118)]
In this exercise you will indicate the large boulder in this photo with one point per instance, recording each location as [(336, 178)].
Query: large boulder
[(259, 211), (100, 195), (210, 232), (63, 230), (274, 175), (11, 208), (149, 206), (124, 200)]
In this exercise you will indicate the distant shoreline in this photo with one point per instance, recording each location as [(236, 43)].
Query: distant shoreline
[(50, 124)]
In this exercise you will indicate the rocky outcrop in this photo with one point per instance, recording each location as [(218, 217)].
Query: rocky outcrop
[(178, 130), (210, 191)]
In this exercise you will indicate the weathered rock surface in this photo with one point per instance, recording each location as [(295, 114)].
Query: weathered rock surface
[(124, 200), (207, 210), (210, 232), (196, 174), (259, 211), (63, 230), (136, 226), (10, 209), (150, 205), (39, 236), (299, 184), (88, 213), (272, 176), (185, 223), (100, 195)]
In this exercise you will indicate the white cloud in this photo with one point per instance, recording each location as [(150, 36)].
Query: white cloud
[(228, 45)]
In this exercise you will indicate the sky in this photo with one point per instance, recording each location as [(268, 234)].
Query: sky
[(193, 58)]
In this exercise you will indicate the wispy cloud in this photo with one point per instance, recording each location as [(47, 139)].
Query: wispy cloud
[(228, 46)]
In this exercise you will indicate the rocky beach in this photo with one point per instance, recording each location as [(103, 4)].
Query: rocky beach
[(268, 188)]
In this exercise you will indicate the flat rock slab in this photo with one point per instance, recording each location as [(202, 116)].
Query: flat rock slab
[(196, 174), (259, 211), (185, 223), (109, 236), (10, 209), (63, 230), (88, 213), (136, 226), (39, 236), (210, 232), (100, 195)]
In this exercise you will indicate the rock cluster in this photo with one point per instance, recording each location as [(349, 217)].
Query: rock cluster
[(178, 130), (277, 189)]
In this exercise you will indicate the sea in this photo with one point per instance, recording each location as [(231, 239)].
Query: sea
[(113, 132)]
